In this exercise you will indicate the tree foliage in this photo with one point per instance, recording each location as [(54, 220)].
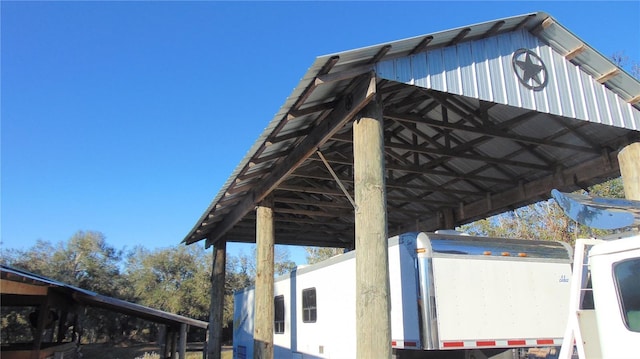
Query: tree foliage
[(85, 260), (318, 254), (174, 279), (544, 220)]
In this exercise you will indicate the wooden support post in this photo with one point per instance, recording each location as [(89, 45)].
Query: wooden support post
[(162, 339), (214, 346), (373, 324), (174, 343), (264, 309), (629, 160), (38, 337), (182, 343)]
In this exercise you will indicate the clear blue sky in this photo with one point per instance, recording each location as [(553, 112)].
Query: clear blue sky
[(127, 117)]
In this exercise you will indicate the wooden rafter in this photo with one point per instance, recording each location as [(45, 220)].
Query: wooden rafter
[(356, 98)]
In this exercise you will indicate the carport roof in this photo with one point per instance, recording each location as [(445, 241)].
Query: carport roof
[(33, 285), (454, 153)]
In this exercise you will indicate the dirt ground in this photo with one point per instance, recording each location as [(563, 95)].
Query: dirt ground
[(104, 351)]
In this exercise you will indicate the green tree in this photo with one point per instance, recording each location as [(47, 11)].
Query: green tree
[(282, 263), (174, 279), (318, 254), (85, 261), (543, 220)]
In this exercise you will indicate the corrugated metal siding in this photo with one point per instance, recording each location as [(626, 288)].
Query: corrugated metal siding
[(483, 69)]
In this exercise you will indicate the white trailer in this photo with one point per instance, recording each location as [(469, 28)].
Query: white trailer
[(453, 296)]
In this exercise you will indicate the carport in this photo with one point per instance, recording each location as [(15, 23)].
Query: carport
[(421, 134), (19, 288)]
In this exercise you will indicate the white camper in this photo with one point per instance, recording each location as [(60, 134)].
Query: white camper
[(450, 294)]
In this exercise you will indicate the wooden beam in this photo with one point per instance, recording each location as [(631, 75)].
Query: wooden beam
[(418, 169), (575, 52), (528, 192), (350, 104), (331, 62), (216, 309), (182, 342), (380, 54), (492, 132), (331, 214), (344, 75), (264, 309), (422, 45), (479, 158), (22, 300), (373, 323), (461, 35), (524, 22), (13, 287), (311, 109), (629, 159), (317, 203), (545, 24), (309, 189), (608, 76), (634, 100), (494, 29)]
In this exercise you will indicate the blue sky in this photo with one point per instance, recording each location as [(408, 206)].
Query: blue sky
[(127, 117)]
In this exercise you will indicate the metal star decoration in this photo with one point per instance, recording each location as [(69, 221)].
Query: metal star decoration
[(529, 69)]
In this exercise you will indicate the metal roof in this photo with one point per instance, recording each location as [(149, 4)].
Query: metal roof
[(93, 299), (463, 140)]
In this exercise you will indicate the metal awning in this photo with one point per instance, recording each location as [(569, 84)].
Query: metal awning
[(463, 138)]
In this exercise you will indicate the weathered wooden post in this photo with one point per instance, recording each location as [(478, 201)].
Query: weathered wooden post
[(264, 309), (214, 346), (182, 341), (373, 324), (629, 160)]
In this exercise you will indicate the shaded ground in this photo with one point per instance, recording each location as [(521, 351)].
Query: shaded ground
[(104, 351)]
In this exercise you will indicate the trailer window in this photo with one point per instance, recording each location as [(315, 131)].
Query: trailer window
[(626, 274), (309, 305), (278, 323)]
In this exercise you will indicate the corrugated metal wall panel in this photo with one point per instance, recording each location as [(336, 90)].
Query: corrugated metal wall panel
[(386, 70), (435, 68), (551, 92), (600, 97), (481, 62), (526, 96), (452, 70), (505, 43), (419, 66), (589, 97), (483, 69), (561, 78), (403, 70), (495, 70), (578, 99), (467, 70)]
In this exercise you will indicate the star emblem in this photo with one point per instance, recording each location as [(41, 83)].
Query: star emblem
[(529, 69)]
